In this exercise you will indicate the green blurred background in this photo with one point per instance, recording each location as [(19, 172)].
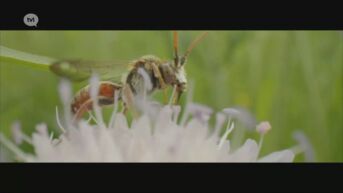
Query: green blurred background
[(291, 78)]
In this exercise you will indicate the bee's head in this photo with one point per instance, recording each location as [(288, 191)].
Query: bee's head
[(179, 71), (173, 74), (175, 71)]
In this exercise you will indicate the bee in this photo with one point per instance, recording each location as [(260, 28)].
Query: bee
[(160, 72)]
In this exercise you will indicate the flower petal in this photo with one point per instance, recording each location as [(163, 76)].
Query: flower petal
[(247, 153), (242, 115), (280, 156)]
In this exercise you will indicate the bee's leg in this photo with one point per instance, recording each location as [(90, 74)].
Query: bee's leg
[(177, 97), (83, 102), (125, 109), (158, 75), (128, 98), (179, 90)]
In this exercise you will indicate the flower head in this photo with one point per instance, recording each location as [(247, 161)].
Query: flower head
[(154, 136)]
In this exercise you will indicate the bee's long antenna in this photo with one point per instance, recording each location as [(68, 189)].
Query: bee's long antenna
[(176, 45), (192, 45)]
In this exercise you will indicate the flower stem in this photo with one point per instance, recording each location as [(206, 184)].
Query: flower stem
[(27, 59)]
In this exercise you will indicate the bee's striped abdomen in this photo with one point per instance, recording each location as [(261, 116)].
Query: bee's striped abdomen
[(82, 101)]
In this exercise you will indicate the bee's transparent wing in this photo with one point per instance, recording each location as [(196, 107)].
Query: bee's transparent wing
[(80, 70)]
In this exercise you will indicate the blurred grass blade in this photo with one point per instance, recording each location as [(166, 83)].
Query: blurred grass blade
[(23, 58)]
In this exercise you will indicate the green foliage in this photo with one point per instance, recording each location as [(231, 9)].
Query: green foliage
[(291, 78)]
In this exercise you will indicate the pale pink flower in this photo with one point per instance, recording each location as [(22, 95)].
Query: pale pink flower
[(155, 136)]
